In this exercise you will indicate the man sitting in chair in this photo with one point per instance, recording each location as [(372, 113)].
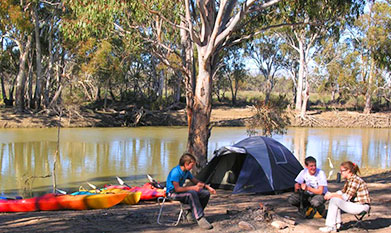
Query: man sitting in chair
[(310, 187), (197, 195)]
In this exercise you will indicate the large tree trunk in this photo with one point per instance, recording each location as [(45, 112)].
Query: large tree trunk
[(368, 94), (306, 96), (189, 73), (50, 72), (21, 78), (30, 101), (38, 87), (199, 131), (7, 102), (161, 84), (300, 81), (268, 90)]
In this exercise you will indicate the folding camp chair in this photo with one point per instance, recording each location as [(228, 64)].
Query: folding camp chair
[(359, 219), (182, 206)]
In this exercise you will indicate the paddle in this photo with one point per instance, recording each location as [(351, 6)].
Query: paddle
[(121, 182), (94, 187), (61, 191), (154, 182)]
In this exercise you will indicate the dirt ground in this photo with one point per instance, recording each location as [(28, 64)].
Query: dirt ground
[(224, 211)]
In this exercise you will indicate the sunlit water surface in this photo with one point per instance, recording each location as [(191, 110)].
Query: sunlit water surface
[(98, 155)]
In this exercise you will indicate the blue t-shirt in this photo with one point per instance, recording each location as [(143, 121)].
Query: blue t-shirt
[(177, 175)]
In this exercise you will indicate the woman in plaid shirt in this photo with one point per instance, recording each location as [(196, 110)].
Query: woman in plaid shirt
[(353, 199)]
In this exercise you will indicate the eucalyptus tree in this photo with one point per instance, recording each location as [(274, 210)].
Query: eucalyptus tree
[(371, 37), (8, 67), (339, 67), (196, 32), (268, 57), (26, 23), (322, 19), (232, 73), (16, 23)]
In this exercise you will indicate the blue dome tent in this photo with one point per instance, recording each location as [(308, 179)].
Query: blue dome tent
[(253, 165)]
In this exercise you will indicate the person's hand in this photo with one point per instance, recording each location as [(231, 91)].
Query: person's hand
[(201, 184), (327, 196), (211, 190), (304, 187), (196, 188), (297, 186)]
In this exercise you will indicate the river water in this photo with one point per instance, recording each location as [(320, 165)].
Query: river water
[(98, 155)]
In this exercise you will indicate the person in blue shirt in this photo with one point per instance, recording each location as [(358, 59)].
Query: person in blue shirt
[(197, 195)]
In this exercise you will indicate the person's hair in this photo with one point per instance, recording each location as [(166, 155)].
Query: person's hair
[(352, 167), (309, 159), (186, 158)]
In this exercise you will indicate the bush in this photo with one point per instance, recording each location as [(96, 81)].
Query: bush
[(271, 117)]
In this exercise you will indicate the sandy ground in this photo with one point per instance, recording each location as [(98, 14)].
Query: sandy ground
[(224, 211)]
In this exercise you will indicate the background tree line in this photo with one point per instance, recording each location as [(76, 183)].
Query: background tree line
[(159, 54)]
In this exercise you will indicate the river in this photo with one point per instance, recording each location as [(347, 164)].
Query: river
[(98, 155)]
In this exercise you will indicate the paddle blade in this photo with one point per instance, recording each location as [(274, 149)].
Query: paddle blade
[(120, 181), (150, 178), (91, 185), (61, 191)]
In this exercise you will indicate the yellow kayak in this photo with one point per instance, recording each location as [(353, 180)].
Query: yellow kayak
[(97, 201), (131, 198)]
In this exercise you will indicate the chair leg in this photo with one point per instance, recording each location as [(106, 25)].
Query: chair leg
[(161, 201), (180, 214), (359, 222)]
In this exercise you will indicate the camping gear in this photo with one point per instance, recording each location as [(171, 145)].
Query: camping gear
[(154, 182), (149, 192), (121, 182), (253, 165), (132, 198), (84, 202), (45, 202), (59, 202)]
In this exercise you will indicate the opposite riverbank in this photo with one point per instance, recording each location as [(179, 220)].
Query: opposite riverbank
[(221, 116)]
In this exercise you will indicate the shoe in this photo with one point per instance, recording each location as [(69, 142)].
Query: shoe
[(327, 229), (189, 216), (204, 224)]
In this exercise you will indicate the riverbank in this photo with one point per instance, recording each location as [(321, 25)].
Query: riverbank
[(221, 116), (225, 211)]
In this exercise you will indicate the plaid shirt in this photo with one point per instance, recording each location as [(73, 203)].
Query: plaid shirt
[(356, 190)]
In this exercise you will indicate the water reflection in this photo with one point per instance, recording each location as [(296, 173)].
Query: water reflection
[(98, 155)]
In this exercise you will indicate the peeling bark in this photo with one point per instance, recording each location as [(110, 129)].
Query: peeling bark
[(21, 78)]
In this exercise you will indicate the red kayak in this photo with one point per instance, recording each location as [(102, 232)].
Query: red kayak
[(45, 202), (149, 192), (60, 202)]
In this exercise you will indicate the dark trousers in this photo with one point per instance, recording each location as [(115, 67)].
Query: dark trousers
[(197, 200), (313, 200)]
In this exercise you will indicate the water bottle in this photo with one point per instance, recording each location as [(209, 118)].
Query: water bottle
[(338, 177)]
